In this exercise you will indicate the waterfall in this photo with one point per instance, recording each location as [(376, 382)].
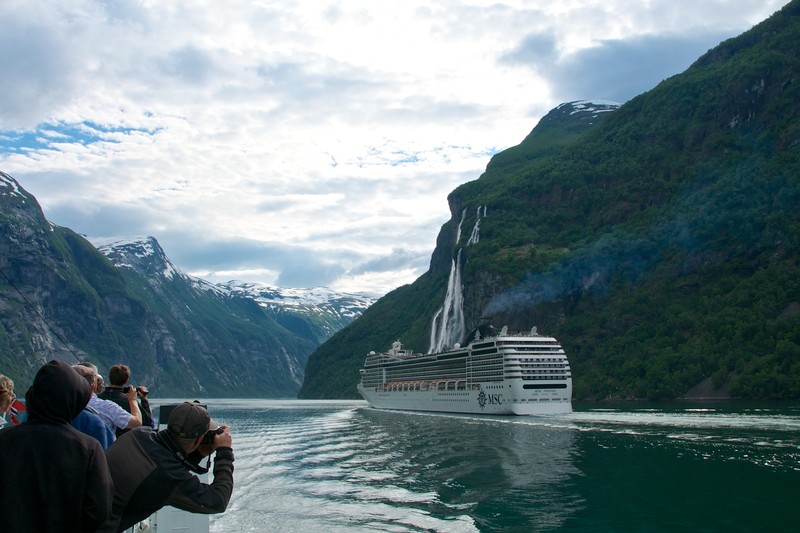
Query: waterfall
[(435, 329), (448, 325), (475, 236), (458, 232)]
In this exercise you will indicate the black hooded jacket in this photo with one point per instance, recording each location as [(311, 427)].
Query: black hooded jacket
[(54, 477)]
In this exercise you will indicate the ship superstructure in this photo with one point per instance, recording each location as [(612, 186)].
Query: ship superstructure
[(506, 373)]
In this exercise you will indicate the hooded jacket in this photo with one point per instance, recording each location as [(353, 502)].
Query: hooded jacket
[(55, 478)]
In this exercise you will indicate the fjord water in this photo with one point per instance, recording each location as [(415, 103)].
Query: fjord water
[(342, 466)]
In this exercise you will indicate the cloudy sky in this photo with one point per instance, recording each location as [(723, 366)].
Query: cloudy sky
[(308, 143)]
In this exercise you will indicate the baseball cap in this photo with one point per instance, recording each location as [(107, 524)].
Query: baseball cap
[(189, 420)]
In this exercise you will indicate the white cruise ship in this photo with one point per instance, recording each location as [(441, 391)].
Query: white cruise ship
[(506, 373)]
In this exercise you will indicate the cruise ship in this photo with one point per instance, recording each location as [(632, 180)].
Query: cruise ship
[(496, 373)]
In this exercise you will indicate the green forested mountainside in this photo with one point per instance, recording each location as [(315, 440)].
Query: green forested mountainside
[(659, 244)]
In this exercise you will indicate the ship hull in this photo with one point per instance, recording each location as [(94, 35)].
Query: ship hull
[(493, 399)]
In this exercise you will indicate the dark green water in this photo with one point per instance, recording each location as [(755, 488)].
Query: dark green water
[(340, 466)]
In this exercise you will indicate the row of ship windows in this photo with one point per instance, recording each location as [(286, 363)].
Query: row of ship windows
[(543, 343), (475, 357), (528, 343), (430, 376), (539, 359), (480, 370), (438, 376), (477, 376), (462, 375), (539, 363), (532, 356), (451, 399), (423, 376), (460, 385), (451, 385), (536, 366), (434, 372), (463, 361), (511, 350), (444, 387), (423, 368), (427, 365), (425, 372), (541, 400)]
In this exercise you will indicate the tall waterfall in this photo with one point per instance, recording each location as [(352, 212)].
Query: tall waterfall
[(448, 325)]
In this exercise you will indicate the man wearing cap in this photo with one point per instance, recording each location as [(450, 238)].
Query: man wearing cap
[(152, 468)]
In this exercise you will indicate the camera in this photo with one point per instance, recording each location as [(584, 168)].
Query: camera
[(127, 388), (208, 439)]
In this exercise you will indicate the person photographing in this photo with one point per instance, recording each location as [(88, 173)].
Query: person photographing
[(132, 399), (152, 468)]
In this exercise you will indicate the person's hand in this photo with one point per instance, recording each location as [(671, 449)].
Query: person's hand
[(224, 439), (205, 449), (142, 391), (131, 394)]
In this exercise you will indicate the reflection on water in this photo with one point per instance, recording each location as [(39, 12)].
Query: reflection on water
[(341, 466), (502, 471)]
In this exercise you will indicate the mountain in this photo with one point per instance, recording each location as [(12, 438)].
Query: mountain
[(126, 302), (658, 241), (312, 313)]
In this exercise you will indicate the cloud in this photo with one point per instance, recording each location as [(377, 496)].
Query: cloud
[(301, 142), (537, 50), (398, 259), (617, 69), (188, 64), (290, 266), (38, 72), (309, 274)]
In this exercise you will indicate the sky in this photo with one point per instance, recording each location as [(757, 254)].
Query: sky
[(308, 143)]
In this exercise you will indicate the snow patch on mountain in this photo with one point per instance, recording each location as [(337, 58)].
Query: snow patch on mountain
[(145, 255), (315, 299), (139, 253), (9, 186), (591, 106)]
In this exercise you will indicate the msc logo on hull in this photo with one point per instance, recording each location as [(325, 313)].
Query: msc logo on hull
[(489, 399)]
